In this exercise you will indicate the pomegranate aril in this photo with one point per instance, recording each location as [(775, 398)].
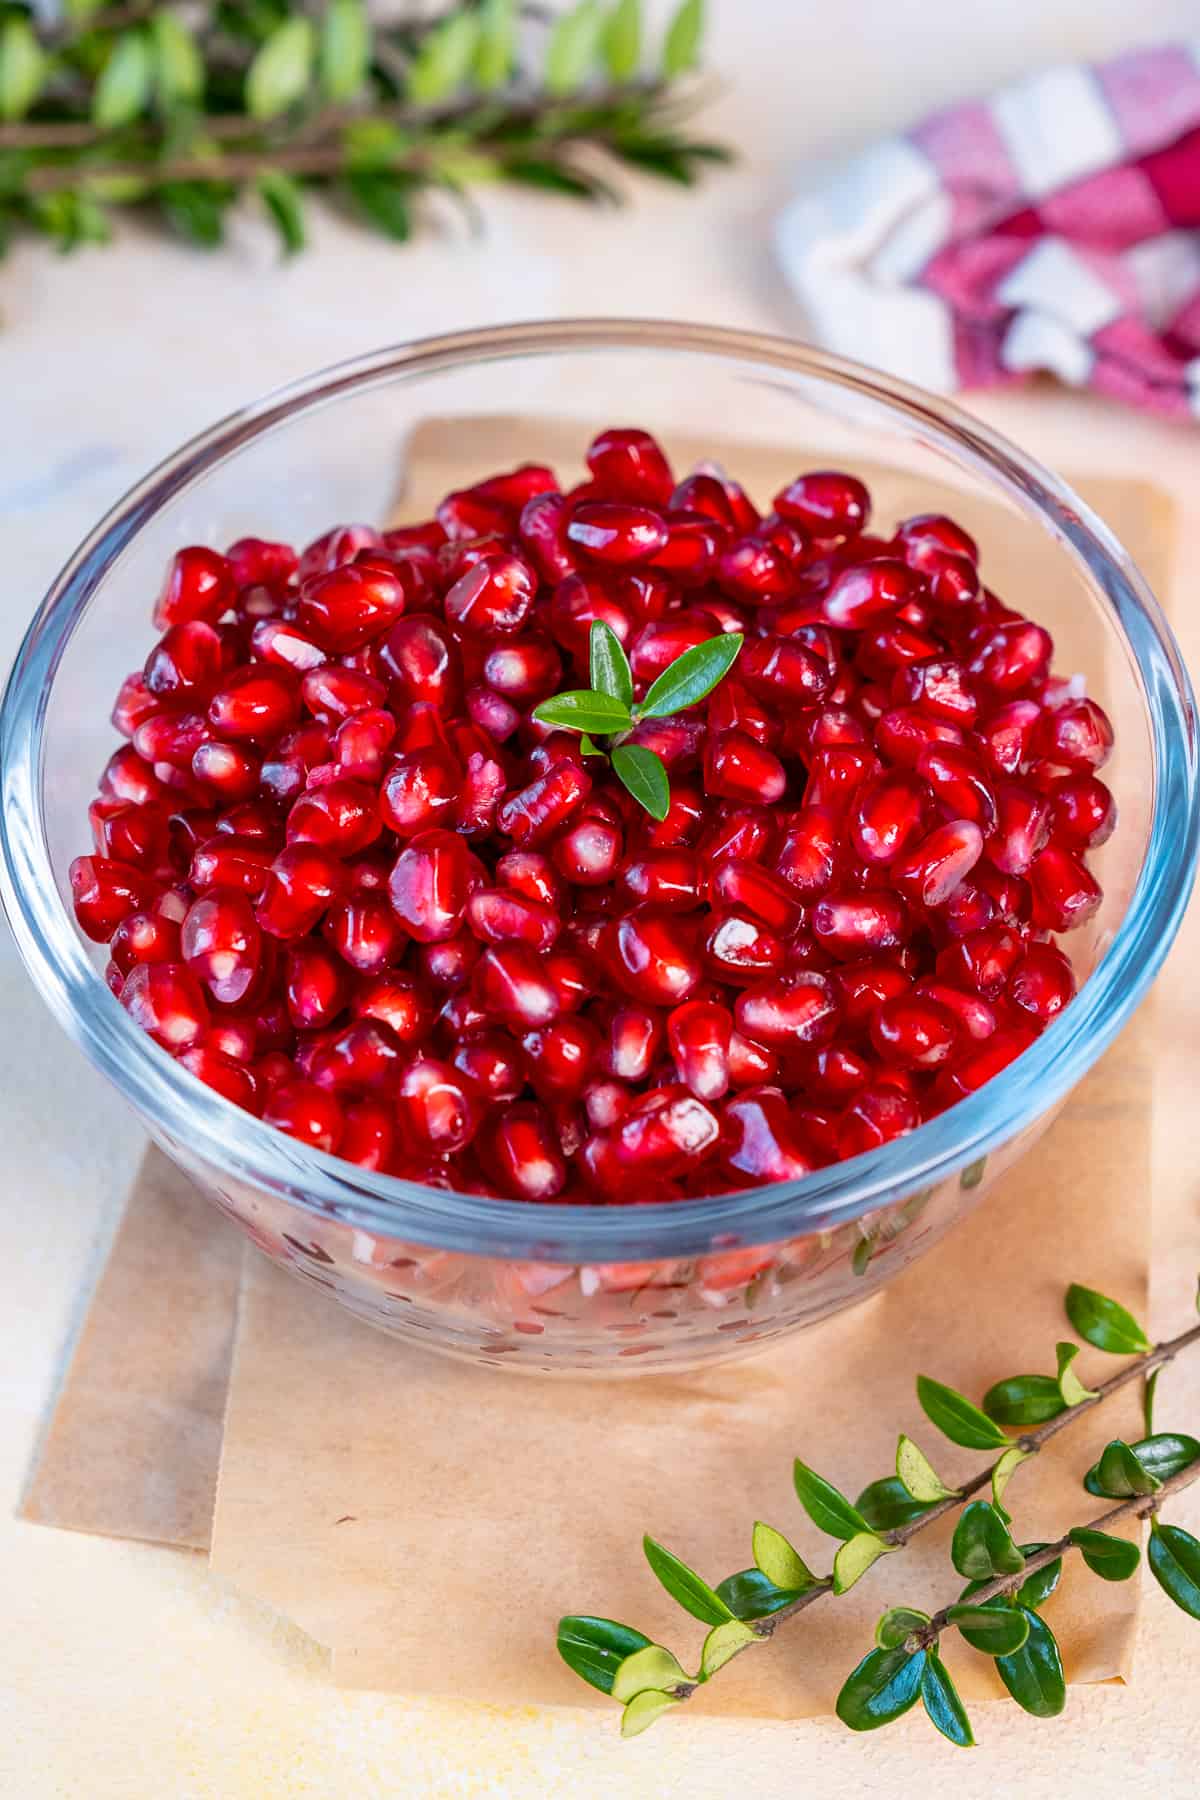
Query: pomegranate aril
[(938, 687), (543, 532), (744, 832), (221, 1073), (167, 1001), (660, 643), (199, 585), (145, 937), (1012, 657), (981, 961), (930, 872), (968, 1076), (495, 595), (853, 925), (927, 536), (104, 893), (789, 1010), (1022, 828), (306, 1112), (1083, 812), (222, 944), (886, 816), (534, 813), (960, 783), (420, 790), (368, 1135), (332, 693), (665, 1131), (510, 985), (498, 917), (745, 887), (784, 672), (903, 734), (738, 768), (1006, 736), (423, 662), (562, 1057), (256, 702), (365, 932), (228, 861), (315, 985), (1065, 894), (587, 852), (833, 507), (740, 951), (617, 532), (1042, 982), (1077, 735), (429, 884), (699, 1034), (635, 1039), (868, 592), (914, 1032), (359, 1058), (628, 464), (522, 1153), (974, 1017), (398, 1001), (755, 573), (760, 1141), (303, 883), (875, 1117), (653, 957)]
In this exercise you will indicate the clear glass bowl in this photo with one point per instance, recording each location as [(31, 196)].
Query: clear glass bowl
[(605, 1289)]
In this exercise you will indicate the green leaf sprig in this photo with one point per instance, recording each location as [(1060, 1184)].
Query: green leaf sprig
[(608, 709), (998, 1613), (183, 110)]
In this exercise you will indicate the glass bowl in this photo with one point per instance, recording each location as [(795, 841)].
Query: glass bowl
[(573, 1288)]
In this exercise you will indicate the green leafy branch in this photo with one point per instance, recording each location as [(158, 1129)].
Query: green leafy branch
[(997, 1613), (608, 709), (183, 110)]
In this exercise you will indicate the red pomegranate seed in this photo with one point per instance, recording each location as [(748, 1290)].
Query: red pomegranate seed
[(700, 1034), (279, 641), (1022, 828), (745, 887), (967, 1077), (145, 937), (303, 883), (863, 924), (587, 852), (368, 1135), (759, 1139), (755, 573), (974, 1017), (307, 1112), (960, 783), (665, 1131), (523, 1154), (221, 1073), (1042, 983), (930, 872), (421, 789), (543, 532), (428, 885), (740, 951), (981, 961), (228, 861), (104, 893), (256, 702), (315, 988), (223, 946), (562, 1057), (510, 985), (875, 1117), (939, 687), (1083, 812), (903, 734), (1012, 657), (617, 532), (533, 814), (167, 1001), (365, 932), (199, 585), (914, 1032), (863, 987), (886, 816), (423, 662), (331, 693), (1007, 735), (498, 917), (1065, 894), (1077, 735), (931, 535), (627, 464), (788, 1010), (868, 592), (831, 506), (652, 956), (737, 768), (496, 595), (492, 1064)]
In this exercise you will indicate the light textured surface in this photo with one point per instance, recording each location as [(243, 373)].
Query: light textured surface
[(127, 1672)]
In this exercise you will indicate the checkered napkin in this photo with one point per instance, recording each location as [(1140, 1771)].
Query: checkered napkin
[(1054, 226)]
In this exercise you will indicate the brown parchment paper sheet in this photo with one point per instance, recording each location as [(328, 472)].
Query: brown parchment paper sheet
[(428, 1523)]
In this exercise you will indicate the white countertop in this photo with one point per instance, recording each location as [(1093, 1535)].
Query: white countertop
[(127, 1671)]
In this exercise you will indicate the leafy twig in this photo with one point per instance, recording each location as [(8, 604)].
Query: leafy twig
[(997, 1613)]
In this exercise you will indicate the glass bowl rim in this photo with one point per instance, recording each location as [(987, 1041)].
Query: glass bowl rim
[(231, 1142)]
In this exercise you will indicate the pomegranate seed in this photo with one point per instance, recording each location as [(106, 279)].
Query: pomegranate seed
[(1083, 811), (543, 532), (423, 662), (617, 532), (532, 815), (627, 464), (931, 535), (303, 883), (257, 702), (307, 1112), (228, 861), (562, 1057), (331, 693), (740, 951), (746, 888), (104, 893), (436, 1107), (587, 852), (875, 1117), (903, 735), (940, 688), (315, 985), (854, 925), (665, 1131), (737, 768), (755, 573), (428, 885), (982, 961), (1065, 894), (1077, 735), (652, 956), (800, 1007), (496, 595), (145, 937), (868, 592), (831, 506), (886, 816), (510, 985), (960, 783), (167, 1001), (1042, 982), (967, 1077), (368, 1135), (1012, 656), (223, 946), (221, 1073), (700, 1034), (522, 1152), (759, 1139), (497, 917), (932, 870), (1022, 828), (914, 1032), (199, 585), (365, 932)]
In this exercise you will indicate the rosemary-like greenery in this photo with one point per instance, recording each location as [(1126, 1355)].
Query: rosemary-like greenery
[(182, 110)]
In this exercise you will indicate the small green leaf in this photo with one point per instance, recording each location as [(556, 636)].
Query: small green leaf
[(123, 91), (956, 1418), (595, 1648), (284, 200), (1148, 1391), (1006, 1467), (609, 669), (383, 200), (883, 1686), (1038, 1587), (496, 49), (558, 178), (588, 748), (178, 64), (996, 1628), (644, 774), (917, 1475), (1174, 1558), (750, 1595), (22, 68), (779, 1562), (681, 46), (685, 1586), (196, 210), (829, 1510), (582, 709), (939, 1697), (443, 61), (723, 1643), (897, 1625), (973, 1174), (1113, 1558), (886, 1505), (641, 1712), (1069, 1384), (855, 1557), (1120, 1474), (344, 57), (1167, 1453), (622, 39), (691, 676), (573, 48), (864, 1250), (281, 71), (981, 1547), (649, 1667), (1034, 1674), (1104, 1323), (1024, 1400)]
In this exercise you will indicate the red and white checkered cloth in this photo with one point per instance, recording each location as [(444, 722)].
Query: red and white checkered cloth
[(1054, 226)]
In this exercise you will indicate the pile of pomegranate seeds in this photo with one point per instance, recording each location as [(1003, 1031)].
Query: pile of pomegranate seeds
[(350, 882)]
